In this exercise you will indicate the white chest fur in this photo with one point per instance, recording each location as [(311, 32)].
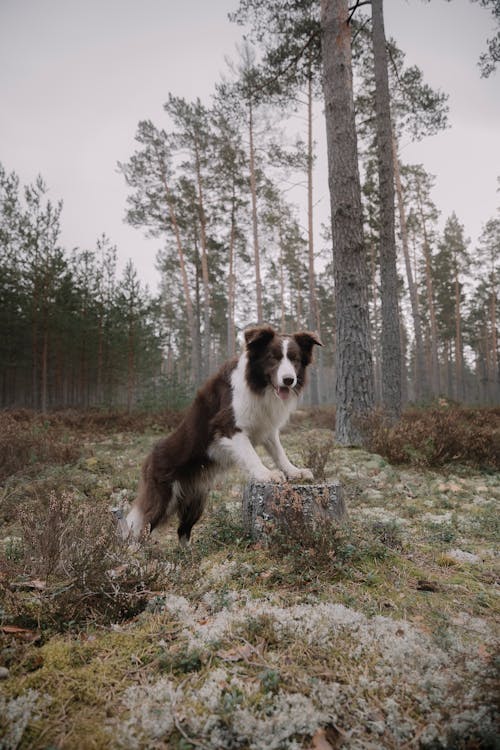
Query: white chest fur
[(258, 415)]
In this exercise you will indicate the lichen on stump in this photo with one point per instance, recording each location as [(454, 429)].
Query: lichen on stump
[(268, 506)]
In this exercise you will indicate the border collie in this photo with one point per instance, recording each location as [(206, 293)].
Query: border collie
[(245, 404)]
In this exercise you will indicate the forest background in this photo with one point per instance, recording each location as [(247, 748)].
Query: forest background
[(227, 189)]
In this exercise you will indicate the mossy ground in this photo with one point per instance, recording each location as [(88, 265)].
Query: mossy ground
[(390, 643)]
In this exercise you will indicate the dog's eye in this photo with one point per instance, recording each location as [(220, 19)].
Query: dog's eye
[(271, 358)]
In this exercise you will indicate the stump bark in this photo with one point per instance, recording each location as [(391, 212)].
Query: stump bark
[(270, 506)]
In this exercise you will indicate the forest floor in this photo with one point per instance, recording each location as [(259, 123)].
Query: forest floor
[(380, 634)]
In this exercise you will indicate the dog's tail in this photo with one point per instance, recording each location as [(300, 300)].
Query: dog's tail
[(153, 504)]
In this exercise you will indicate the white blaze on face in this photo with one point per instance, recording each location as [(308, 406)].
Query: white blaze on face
[(286, 377)]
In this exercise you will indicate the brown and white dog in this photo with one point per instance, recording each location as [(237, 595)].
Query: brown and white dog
[(245, 404)]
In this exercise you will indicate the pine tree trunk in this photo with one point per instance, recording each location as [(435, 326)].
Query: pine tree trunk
[(404, 375), (313, 303), (204, 268), (253, 190), (231, 332), (391, 345), (100, 357), (449, 370), (459, 366), (488, 366), (495, 390), (436, 381), (482, 367), (83, 356), (377, 363), (194, 331), (45, 353), (34, 343), (299, 309), (354, 384), (282, 280), (197, 309), (421, 382), (130, 367)]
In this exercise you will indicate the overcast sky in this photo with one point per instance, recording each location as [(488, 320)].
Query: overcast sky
[(76, 77)]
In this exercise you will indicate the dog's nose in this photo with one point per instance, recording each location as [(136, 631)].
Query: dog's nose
[(288, 381)]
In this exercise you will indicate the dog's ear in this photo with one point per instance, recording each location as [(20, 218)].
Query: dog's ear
[(306, 340), (259, 336)]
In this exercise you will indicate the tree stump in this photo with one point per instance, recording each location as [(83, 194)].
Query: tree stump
[(267, 507)]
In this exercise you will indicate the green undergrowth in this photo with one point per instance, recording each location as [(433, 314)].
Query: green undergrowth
[(378, 632)]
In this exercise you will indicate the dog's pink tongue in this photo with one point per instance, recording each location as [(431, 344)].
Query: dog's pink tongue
[(283, 392)]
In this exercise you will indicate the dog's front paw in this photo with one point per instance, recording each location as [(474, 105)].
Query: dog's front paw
[(301, 474), (277, 476), (271, 476)]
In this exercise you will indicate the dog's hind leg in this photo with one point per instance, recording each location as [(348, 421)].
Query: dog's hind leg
[(191, 504), (136, 518), (153, 504)]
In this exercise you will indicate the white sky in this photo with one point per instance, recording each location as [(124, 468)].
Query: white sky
[(77, 76)]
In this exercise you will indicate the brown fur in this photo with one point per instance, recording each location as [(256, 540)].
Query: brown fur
[(182, 457)]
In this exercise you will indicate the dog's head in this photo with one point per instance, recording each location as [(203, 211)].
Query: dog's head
[(278, 360)]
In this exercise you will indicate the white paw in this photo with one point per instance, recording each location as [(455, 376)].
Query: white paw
[(271, 476), (277, 476), (300, 474)]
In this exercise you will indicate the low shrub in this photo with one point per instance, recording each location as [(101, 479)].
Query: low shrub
[(30, 439), (97, 420), (315, 453), (438, 436), (68, 566), (26, 442), (223, 528), (389, 533)]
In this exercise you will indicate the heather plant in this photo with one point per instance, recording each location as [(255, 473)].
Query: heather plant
[(315, 453), (223, 529), (93, 421), (389, 533), (27, 443), (72, 567), (438, 436)]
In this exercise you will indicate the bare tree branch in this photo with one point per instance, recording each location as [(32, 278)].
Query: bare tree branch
[(354, 8)]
